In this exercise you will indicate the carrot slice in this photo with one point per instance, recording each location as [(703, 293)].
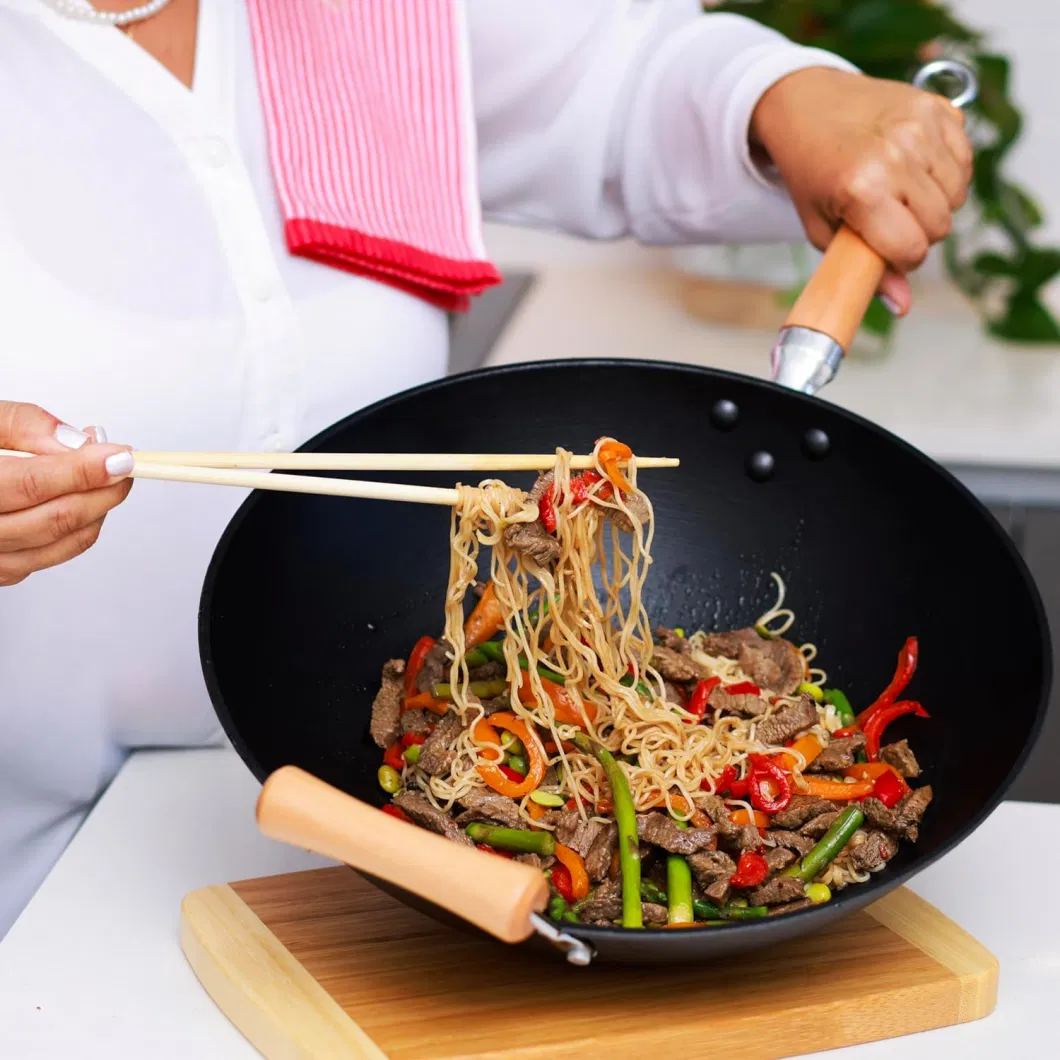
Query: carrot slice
[(836, 790), (742, 817)]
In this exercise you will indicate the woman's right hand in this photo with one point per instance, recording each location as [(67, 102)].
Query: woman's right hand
[(52, 505)]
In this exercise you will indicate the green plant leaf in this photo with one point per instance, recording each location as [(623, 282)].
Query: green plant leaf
[(991, 264), (878, 320), (1026, 320), (1037, 267)]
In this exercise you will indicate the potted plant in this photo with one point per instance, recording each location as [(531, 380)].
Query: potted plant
[(991, 255)]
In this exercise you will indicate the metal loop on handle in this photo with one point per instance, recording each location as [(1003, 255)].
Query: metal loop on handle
[(963, 75)]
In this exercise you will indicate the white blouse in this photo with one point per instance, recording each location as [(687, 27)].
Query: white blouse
[(147, 288)]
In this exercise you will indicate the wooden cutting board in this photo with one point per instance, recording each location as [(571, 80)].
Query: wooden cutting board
[(320, 964)]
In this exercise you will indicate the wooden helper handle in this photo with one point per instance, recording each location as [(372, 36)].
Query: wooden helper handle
[(835, 300), (493, 893)]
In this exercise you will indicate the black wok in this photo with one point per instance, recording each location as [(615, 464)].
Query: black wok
[(307, 596)]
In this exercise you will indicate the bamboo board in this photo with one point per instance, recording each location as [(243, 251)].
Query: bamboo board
[(320, 966)]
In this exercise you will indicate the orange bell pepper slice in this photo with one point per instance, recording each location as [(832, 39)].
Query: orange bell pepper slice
[(836, 790), (610, 453), (486, 731), (536, 810), (808, 745), (485, 620), (425, 701), (873, 771), (698, 819), (742, 817), (563, 705), (579, 878)]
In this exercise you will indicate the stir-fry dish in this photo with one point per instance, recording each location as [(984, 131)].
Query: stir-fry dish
[(658, 778)]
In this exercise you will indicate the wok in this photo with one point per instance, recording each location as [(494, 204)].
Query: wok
[(306, 596)]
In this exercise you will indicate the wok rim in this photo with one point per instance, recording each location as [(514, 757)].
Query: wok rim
[(845, 902)]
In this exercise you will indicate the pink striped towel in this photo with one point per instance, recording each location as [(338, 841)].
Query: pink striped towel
[(372, 140)]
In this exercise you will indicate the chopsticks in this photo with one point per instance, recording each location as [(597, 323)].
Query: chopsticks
[(238, 473)]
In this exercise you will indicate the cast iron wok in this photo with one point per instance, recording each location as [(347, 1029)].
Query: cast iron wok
[(307, 596)]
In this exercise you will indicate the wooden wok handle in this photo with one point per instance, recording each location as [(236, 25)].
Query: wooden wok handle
[(493, 893), (835, 300)]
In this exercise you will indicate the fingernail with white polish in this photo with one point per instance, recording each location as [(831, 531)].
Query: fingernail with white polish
[(119, 464), (891, 306), (101, 435), (69, 436)]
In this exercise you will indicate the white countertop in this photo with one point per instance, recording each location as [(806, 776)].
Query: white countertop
[(93, 968)]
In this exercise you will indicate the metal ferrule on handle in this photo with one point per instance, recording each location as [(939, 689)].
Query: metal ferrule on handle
[(804, 359)]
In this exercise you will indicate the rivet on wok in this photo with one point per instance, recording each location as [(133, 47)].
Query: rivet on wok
[(815, 443), (760, 466), (724, 414)]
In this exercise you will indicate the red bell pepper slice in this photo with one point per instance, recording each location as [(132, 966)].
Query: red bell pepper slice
[(561, 880), (850, 730), (889, 789), (763, 770), (396, 811), (743, 688), (490, 850), (738, 789), (722, 784), (883, 717), (697, 704), (590, 478), (393, 756), (410, 738), (415, 664), (751, 870), (546, 509), (907, 660), (512, 774)]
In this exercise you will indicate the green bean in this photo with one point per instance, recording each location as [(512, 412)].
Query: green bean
[(679, 887), (642, 688), (412, 754), (482, 689), (389, 779), (571, 917), (741, 912), (518, 763), (843, 710), (829, 847), (515, 839), (626, 821), (475, 657), (652, 892), (705, 910)]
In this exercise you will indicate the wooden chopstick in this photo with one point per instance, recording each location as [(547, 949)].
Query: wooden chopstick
[(383, 461)]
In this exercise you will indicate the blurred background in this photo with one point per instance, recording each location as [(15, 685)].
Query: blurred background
[(971, 377)]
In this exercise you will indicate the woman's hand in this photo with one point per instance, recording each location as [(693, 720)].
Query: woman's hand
[(890, 160), (52, 506)]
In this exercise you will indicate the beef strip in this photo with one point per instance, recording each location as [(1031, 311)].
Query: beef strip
[(490, 807), (491, 706), (605, 905), (878, 815), (910, 811), (719, 891), (673, 694), (802, 844), (778, 859), (533, 860), (654, 914), (900, 756), (389, 701), (816, 827), (435, 668), (718, 812), (790, 907), (637, 506), (874, 851), (420, 810), (776, 664), (671, 639), (711, 866), (660, 830), (729, 644), (415, 721), (572, 831), (598, 860), (778, 890), (839, 754), (532, 539), (487, 671), (676, 667), (744, 704), (801, 809), (787, 723), (436, 757), (746, 838)]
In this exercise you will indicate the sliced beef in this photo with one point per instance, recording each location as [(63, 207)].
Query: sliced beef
[(711, 866), (487, 671), (790, 907), (743, 704), (719, 891), (910, 811), (878, 816), (660, 830), (420, 810), (638, 507), (533, 860), (598, 860), (778, 890), (728, 644), (801, 809), (776, 664), (746, 838), (491, 706), (778, 859), (415, 721), (816, 827), (671, 639), (572, 831), (436, 756), (653, 914), (839, 754), (532, 539), (435, 668), (605, 904), (672, 694), (389, 701), (718, 812), (900, 756), (490, 807), (874, 851), (788, 723), (801, 844), (676, 667)]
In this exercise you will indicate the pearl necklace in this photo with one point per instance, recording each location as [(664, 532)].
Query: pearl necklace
[(83, 11)]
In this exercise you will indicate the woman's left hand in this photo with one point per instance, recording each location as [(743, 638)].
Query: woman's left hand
[(891, 161)]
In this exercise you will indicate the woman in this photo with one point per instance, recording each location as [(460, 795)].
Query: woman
[(162, 280)]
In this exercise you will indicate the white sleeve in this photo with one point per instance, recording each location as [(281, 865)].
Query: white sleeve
[(612, 118)]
